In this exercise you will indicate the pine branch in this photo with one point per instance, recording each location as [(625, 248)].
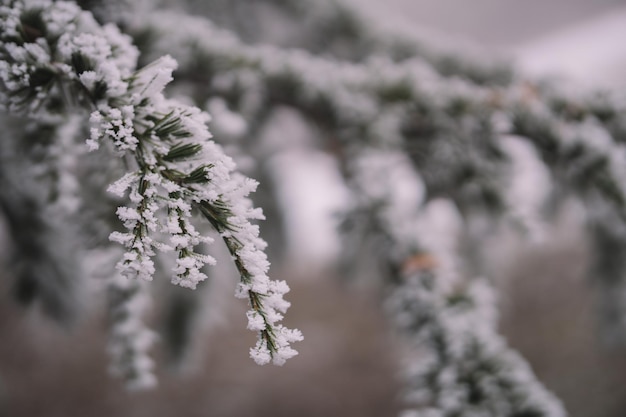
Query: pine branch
[(174, 166), (450, 127), (130, 339), (452, 130), (394, 113), (461, 366), (337, 28), (39, 198), (457, 365)]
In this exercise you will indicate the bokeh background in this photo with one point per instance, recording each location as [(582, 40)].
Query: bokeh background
[(347, 364)]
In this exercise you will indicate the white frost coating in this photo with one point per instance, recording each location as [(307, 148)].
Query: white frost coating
[(63, 18), (388, 178), (106, 54), (176, 165), (598, 142), (120, 186), (151, 80), (99, 60), (66, 155), (130, 339), (115, 124), (91, 46), (529, 187), (225, 121), (255, 321), (449, 321), (124, 53), (451, 324)]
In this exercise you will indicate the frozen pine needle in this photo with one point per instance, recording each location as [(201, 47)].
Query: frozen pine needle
[(174, 168)]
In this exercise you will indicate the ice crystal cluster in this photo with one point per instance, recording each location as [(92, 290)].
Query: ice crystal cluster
[(55, 56), (436, 146)]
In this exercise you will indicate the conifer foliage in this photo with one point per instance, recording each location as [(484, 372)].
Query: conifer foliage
[(103, 176), (51, 51)]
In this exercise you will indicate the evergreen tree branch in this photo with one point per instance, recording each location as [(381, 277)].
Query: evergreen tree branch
[(457, 364), (38, 197), (450, 127), (336, 28), (55, 50)]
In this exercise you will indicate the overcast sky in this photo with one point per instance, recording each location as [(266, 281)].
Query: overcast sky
[(584, 40), (498, 23)]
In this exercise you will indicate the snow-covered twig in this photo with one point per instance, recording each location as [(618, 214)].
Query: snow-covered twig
[(52, 53)]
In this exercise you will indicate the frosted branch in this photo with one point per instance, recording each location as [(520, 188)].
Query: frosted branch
[(55, 51)]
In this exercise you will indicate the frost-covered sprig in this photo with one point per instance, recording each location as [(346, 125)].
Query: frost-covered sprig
[(184, 171), (43, 47), (174, 164), (465, 367), (130, 339), (456, 363), (265, 296), (39, 201)]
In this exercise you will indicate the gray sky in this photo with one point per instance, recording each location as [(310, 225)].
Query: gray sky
[(580, 39), (497, 23)]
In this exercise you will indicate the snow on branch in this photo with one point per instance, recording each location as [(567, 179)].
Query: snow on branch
[(410, 128), (457, 364), (455, 133), (53, 56), (339, 28), (40, 194), (382, 103)]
